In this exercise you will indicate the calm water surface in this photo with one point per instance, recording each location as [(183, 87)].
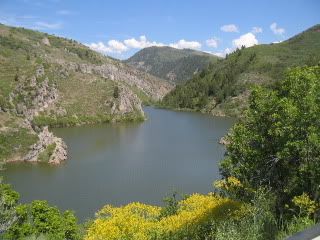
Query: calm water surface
[(121, 163)]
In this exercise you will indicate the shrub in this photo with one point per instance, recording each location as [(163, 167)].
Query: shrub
[(277, 143), (192, 220), (39, 218), (8, 201)]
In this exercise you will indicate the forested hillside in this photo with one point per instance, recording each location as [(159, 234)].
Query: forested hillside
[(223, 88)]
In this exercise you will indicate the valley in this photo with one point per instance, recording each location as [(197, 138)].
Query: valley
[(207, 128)]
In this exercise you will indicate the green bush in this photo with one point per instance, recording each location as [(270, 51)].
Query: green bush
[(8, 201), (39, 218), (277, 144)]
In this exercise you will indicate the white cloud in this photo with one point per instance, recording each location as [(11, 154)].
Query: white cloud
[(276, 30), (224, 52), (99, 47), (256, 30), (142, 42), (181, 44), (212, 42), (113, 46), (229, 28), (117, 46), (247, 40), (45, 25)]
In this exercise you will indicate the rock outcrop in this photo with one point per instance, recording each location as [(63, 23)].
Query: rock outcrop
[(33, 96), (60, 82), (150, 85), (127, 102), (46, 41), (224, 140), (41, 97), (46, 140)]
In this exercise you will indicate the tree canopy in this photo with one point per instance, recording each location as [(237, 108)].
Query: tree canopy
[(277, 143)]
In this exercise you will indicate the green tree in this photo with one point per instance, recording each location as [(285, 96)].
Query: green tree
[(277, 143), (40, 219), (8, 201), (116, 91)]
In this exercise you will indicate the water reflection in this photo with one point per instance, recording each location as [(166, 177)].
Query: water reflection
[(120, 163)]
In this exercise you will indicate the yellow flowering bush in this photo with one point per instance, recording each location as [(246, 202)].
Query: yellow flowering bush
[(194, 215), (133, 221), (139, 221), (234, 188), (226, 184), (305, 204)]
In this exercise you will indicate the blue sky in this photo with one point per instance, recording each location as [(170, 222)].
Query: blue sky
[(121, 28)]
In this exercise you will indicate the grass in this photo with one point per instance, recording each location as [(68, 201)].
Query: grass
[(15, 141), (47, 153), (85, 97)]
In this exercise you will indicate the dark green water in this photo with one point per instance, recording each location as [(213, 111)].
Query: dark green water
[(121, 163)]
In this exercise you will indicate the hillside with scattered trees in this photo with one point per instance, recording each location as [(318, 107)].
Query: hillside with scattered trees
[(224, 87), (174, 65)]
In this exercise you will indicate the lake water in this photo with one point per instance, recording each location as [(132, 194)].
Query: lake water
[(120, 163)]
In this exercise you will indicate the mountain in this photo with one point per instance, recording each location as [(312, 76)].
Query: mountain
[(223, 88), (53, 81), (175, 65)]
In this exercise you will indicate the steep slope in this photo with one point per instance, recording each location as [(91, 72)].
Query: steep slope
[(175, 65), (51, 81), (223, 88)]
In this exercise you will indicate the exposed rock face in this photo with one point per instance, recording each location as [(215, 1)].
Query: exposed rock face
[(46, 41), (127, 102), (171, 76), (46, 139), (42, 96), (224, 140), (150, 85)]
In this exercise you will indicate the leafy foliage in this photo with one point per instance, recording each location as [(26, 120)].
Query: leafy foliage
[(39, 218), (277, 144), (19, 221), (8, 201)]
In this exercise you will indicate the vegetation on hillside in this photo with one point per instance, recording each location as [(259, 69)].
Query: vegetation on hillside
[(175, 65), (37, 220), (277, 144), (47, 80), (269, 189), (222, 88), (15, 138), (270, 175), (23, 53), (271, 172)]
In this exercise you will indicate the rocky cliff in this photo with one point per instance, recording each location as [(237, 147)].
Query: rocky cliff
[(52, 81)]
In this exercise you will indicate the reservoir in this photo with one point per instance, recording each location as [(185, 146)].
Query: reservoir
[(125, 162)]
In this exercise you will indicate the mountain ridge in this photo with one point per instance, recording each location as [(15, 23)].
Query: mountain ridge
[(224, 87), (175, 65)]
